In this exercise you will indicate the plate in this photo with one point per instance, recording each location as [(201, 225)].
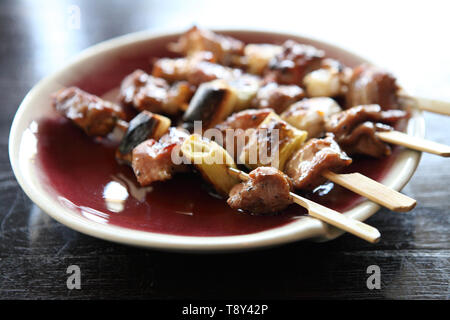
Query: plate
[(100, 69)]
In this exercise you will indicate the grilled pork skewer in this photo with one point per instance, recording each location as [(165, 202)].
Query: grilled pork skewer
[(358, 130), (309, 68), (148, 125), (266, 189), (322, 155), (332, 217)]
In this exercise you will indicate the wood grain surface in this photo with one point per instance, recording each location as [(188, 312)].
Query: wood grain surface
[(413, 254)]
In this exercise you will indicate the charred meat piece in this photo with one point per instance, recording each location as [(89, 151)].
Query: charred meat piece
[(152, 159), (145, 92), (317, 155), (355, 129), (94, 115), (245, 119), (342, 122), (144, 126), (267, 190), (370, 85), (207, 71), (178, 69), (277, 97), (310, 114), (293, 63), (192, 70), (363, 140), (237, 127), (171, 69), (225, 49)]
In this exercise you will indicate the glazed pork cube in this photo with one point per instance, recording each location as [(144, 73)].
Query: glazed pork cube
[(206, 71), (145, 92), (355, 129), (238, 126), (277, 97), (225, 49), (293, 63), (371, 85), (310, 114), (245, 119), (94, 115), (317, 155), (152, 159), (192, 70), (267, 190), (178, 69), (363, 140)]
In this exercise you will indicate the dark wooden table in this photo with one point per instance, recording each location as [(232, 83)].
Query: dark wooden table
[(36, 38)]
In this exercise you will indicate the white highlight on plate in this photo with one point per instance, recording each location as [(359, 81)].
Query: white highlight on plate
[(87, 212), (28, 145), (115, 195)]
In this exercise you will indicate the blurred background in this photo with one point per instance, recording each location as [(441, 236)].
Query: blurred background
[(409, 38)]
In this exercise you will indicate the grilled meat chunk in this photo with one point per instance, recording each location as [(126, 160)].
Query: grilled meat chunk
[(145, 92), (277, 97), (194, 71), (207, 71), (370, 85), (355, 129), (236, 129), (152, 161), (94, 115), (310, 114), (245, 119), (317, 155), (363, 140), (178, 69), (225, 49), (267, 190), (293, 63)]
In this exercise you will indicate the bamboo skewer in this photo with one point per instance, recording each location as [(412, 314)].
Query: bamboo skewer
[(355, 227), (415, 143), (431, 105), (372, 190)]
